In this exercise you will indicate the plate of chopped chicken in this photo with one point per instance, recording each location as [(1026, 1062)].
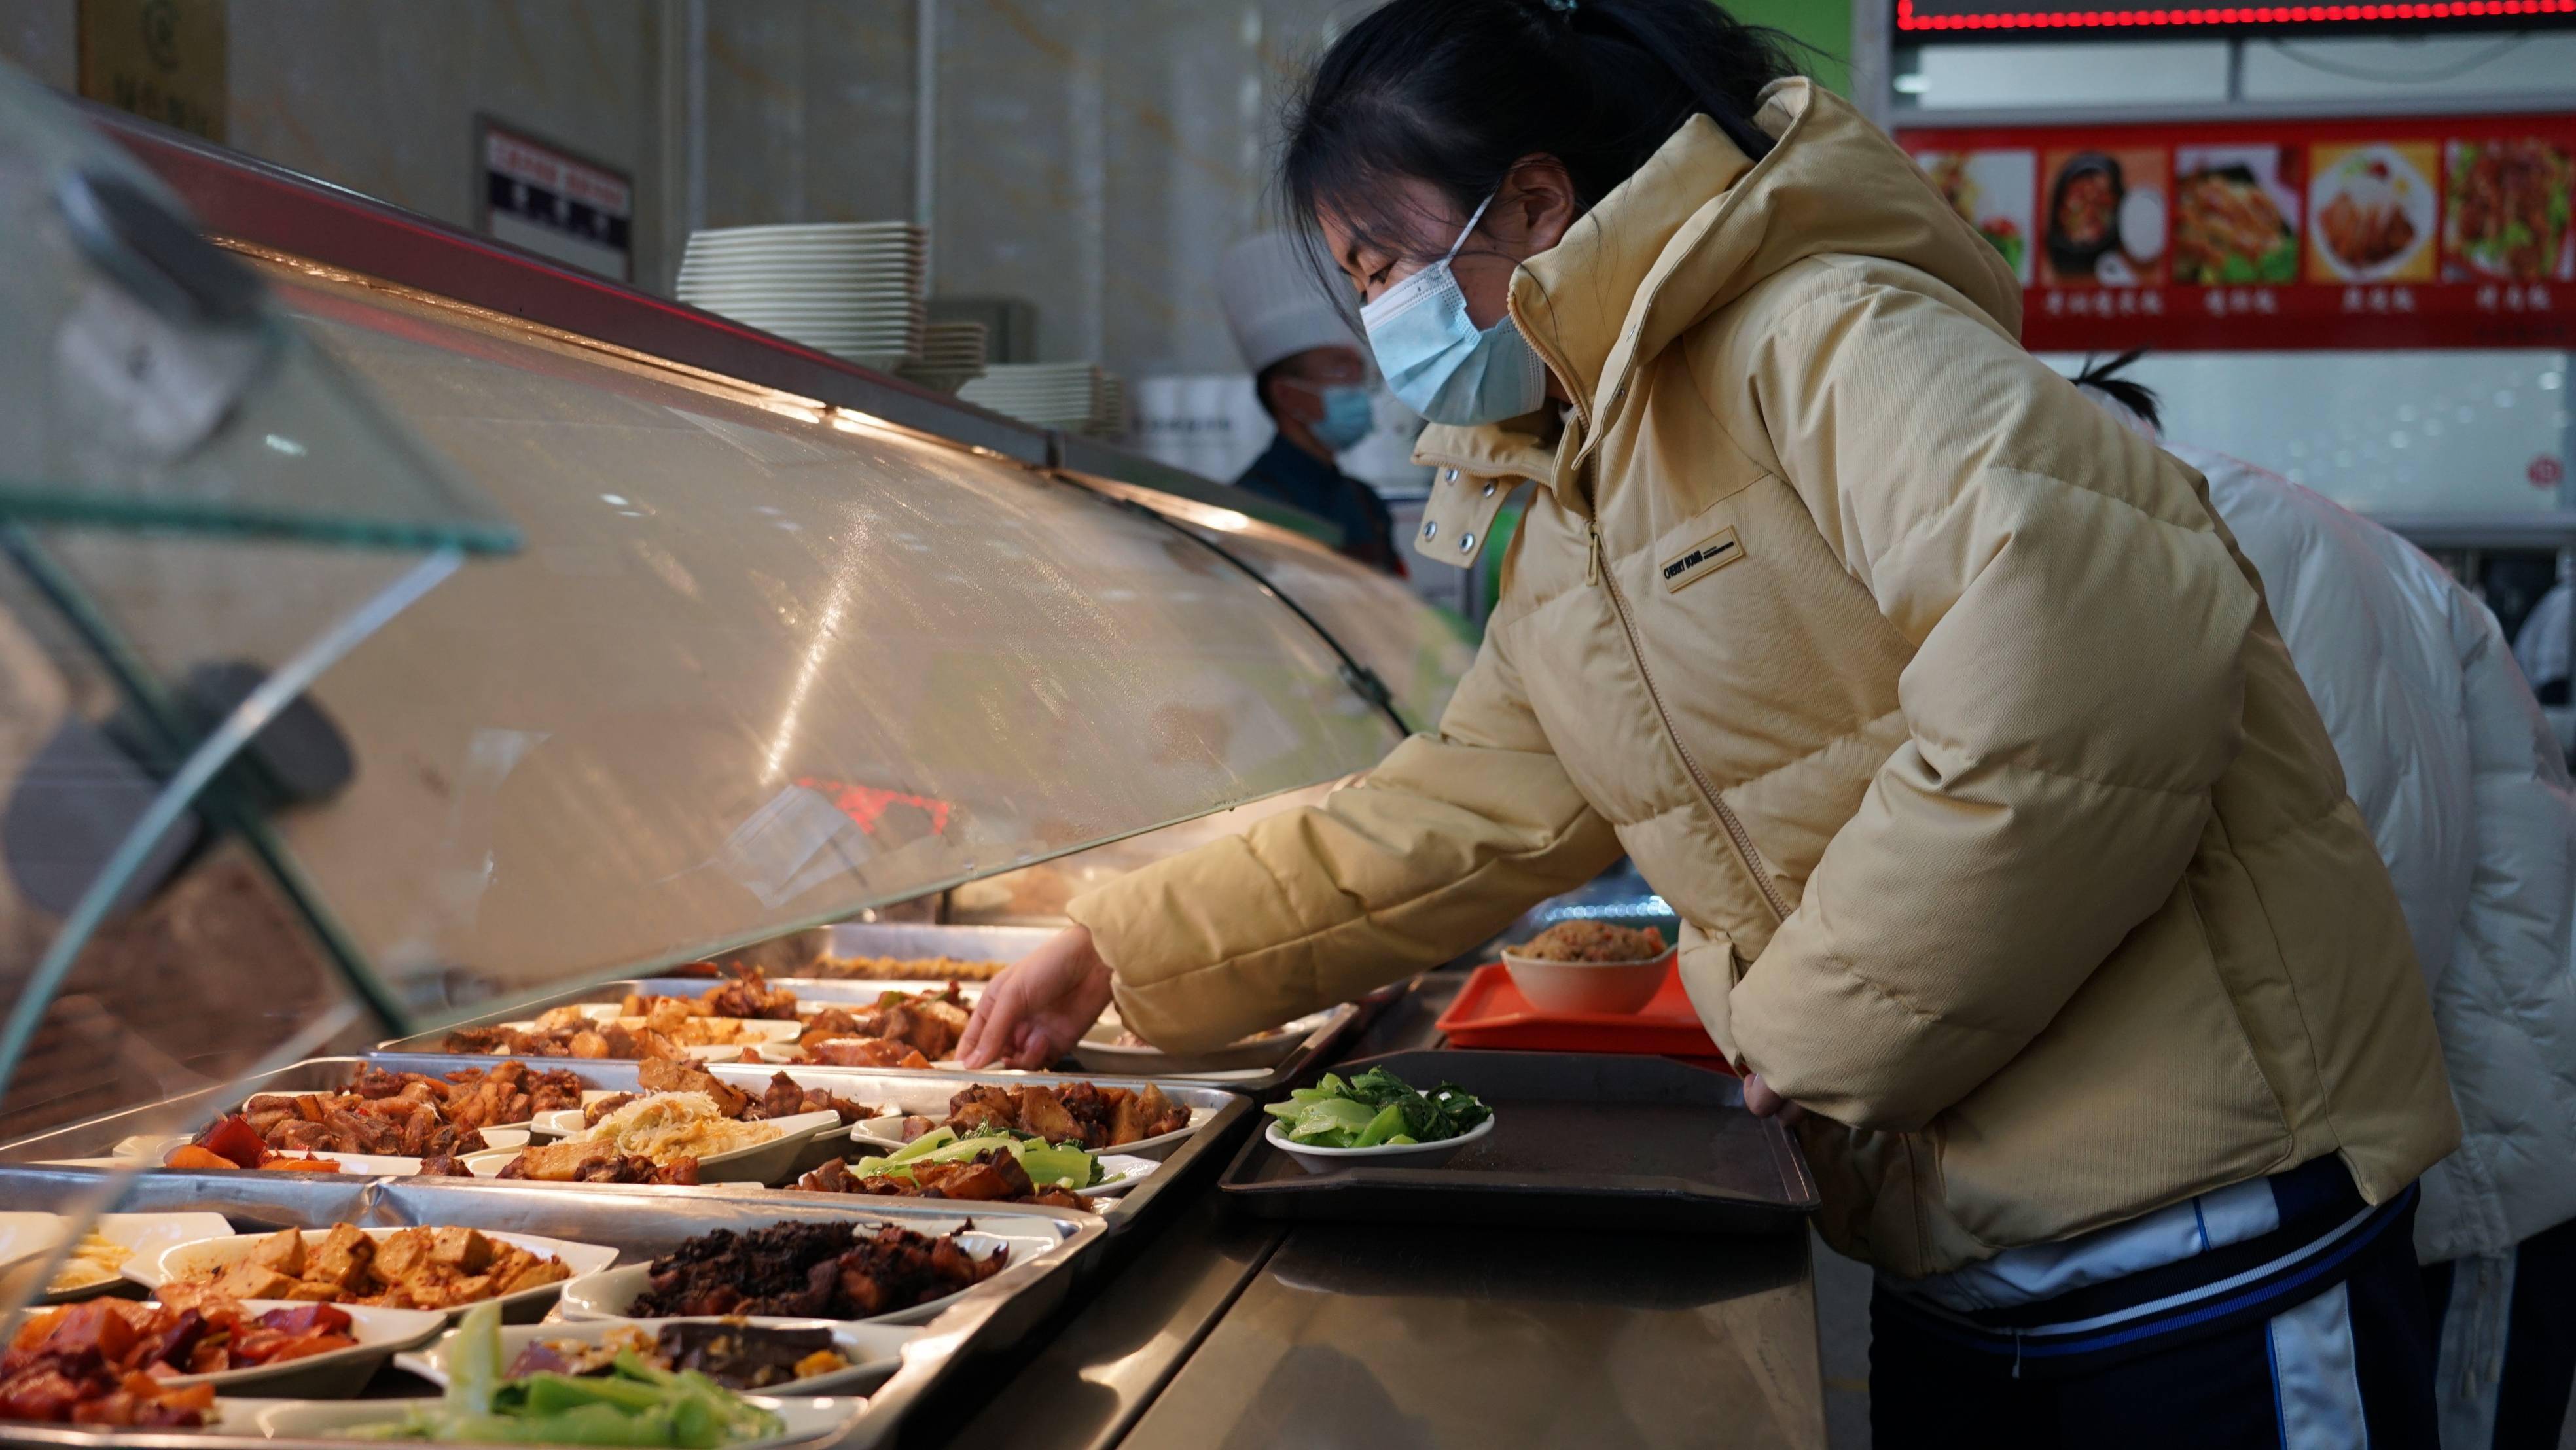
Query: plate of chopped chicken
[(282, 1347), (680, 1132), (884, 1273), (1138, 1121), (445, 1269)]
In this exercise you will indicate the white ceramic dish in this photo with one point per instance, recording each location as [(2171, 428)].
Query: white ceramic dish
[(874, 1351), (1395, 1155), (762, 1162), (1100, 1051), (207, 1257), (374, 1165), (610, 1295), (885, 1135), (380, 1334), (1125, 1170), (807, 1419), (1589, 988), (25, 1234)]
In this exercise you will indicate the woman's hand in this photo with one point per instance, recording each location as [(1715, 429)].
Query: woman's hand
[(1039, 1007), (1762, 1102)]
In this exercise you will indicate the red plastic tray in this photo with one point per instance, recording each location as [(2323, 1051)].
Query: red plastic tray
[(1491, 1012)]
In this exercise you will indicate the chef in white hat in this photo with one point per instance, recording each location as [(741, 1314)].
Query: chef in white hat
[(1307, 368)]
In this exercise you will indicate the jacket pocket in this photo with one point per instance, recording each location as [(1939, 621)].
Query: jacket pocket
[(2145, 1090), (1710, 968)]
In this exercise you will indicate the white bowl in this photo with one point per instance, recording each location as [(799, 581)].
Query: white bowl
[(379, 1332), (1386, 1155), (874, 1351), (1588, 988), (208, 1257)]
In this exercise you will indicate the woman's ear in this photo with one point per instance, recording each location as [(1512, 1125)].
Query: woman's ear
[(1537, 204)]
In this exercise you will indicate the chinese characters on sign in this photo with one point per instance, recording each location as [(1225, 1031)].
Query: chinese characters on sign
[(163, 60), (539, 196), (2435, 232)]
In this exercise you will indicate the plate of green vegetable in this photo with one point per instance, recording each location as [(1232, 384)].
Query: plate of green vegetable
[(1068, 1166), (634, 1404), (1376, 1117)]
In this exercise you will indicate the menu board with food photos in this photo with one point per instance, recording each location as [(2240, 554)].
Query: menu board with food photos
[(2422, 232)]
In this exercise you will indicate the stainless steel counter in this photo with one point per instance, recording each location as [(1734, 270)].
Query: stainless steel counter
[(1223, 1331)]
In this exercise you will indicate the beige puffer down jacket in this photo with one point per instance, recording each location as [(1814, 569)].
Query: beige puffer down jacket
[(1937, 704)]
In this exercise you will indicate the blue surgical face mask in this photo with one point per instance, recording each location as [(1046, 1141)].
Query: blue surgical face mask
[(1438, 361), (1349, 413)]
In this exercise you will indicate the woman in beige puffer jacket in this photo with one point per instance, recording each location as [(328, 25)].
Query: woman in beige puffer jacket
[(2006, 841)]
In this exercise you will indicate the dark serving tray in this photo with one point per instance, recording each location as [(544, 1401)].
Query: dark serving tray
[(1579, 1139)]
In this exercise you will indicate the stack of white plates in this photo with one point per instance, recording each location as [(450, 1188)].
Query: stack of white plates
[(952, 355), (1072, 396), (852, 289), (1110, 419)]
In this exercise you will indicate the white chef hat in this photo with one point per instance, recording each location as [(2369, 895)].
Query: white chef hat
[(1274, 302)]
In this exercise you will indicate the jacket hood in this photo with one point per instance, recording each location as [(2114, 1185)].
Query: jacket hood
[(1700, 225)]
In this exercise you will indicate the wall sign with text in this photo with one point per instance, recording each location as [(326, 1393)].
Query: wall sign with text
[(2431, 232), (534, 194)]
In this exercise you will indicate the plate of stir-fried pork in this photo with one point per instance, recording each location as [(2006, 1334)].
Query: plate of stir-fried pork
[(1138, 1121)]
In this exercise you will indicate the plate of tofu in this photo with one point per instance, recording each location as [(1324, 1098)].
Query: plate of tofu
[(445, 1269)]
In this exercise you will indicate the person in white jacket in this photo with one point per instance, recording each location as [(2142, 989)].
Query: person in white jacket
[(2446, 752)]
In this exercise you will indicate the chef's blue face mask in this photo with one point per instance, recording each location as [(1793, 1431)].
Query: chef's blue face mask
[(1438, 361), (1348, 413)]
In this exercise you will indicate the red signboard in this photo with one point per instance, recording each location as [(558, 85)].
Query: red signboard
[(2419, 233), (1921, 20)]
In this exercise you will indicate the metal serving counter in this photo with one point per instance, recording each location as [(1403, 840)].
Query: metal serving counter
[(1221, 1330)]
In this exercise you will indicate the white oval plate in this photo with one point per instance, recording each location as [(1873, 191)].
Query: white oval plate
[(807, 1419), (887, 1133), (609, 1295), (1396, 1155), (379, 1332), (761, 1162), (27, 1233), (212, 1256), (874, 1351), (1099, 1050), (1125, 1169)]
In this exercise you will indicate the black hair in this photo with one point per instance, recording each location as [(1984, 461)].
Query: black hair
[(1456, 92), (2137, 397), (1262, 380)]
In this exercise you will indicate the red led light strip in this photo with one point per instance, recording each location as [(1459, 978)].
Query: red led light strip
[(1906, 19)]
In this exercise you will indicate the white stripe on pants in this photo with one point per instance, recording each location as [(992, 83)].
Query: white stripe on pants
[(2316, 1381)]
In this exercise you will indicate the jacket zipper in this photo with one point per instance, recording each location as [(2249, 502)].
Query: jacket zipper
[(1596, 570)]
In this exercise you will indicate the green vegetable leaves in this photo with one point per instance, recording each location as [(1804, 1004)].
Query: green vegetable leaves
[(1059, 1165), (1375, 1109)]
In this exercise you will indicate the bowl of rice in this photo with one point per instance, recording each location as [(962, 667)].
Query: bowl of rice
[(1592, 968)]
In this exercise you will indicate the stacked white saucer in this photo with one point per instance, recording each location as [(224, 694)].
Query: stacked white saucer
[(952, 355), (852, 289), (1075, 396)]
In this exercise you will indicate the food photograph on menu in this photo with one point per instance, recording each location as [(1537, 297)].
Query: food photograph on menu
[(2507, 212), (1993, 192), (2107, 215), (2372, 206), (2236, 214)]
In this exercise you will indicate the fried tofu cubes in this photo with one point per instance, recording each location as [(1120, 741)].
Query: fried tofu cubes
[(414, 1268)]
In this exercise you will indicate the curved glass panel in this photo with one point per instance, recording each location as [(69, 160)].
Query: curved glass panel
[(1416, 651), (760, 665), (147, 381)]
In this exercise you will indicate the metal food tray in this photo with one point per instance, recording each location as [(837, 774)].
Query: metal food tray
[(1010, 943), (1579, 1139), (908, 1091), (965, 943), (638, 1222)]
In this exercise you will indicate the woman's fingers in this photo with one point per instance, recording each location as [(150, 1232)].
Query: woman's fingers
[(1762, 1102), (995, 1022)]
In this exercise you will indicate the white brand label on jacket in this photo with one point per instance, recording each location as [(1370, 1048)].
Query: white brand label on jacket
[(1702, 559)]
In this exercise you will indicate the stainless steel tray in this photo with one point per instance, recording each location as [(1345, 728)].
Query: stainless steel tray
[(1010, 943), (966, 943), (638, 1222), (907, 1091)]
